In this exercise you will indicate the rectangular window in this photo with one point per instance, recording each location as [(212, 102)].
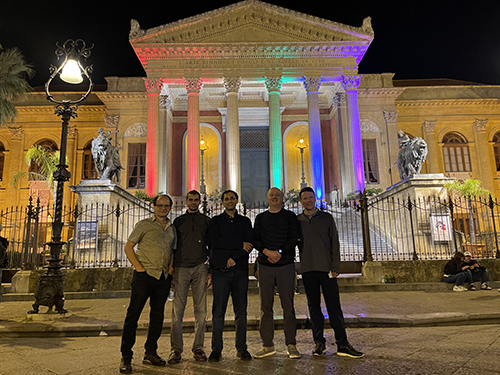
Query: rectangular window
[(370, 161), (136, 166)]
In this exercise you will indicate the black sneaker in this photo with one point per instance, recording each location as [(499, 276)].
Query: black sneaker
[(244, 355), (174, 357), (153, 359), (214, 357), (348, 351), (126, 365), (319, 350), (472, 287)]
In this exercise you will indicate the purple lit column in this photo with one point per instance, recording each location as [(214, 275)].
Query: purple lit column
[(312, 85), (350, 84)]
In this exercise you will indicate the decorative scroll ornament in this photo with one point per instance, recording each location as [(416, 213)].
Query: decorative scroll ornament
[(480, 125), (232, 84), (135, 30), (16, 133), (193, 85), (339, 99), (273, 84), (138, 129), (112, 121), (350, 83), (312, 84), (390, 117), (429, 126), (153, 85)]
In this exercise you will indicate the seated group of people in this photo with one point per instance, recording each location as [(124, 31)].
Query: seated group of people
[(463, 269)]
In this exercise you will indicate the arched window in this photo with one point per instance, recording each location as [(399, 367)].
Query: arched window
[(2, 160), (88, 172), (496, 150), (48, 145), (456, 153)]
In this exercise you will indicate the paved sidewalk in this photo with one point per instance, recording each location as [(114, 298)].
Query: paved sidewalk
[(89, 317)]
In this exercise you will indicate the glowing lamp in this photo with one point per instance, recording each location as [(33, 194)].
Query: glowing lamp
[(71, 72)]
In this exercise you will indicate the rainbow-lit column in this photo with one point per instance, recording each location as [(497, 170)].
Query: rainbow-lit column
[(163, 149), (193, 87), (273, 85), (350, 84), (312, 85), (232, 86), (153, 88)]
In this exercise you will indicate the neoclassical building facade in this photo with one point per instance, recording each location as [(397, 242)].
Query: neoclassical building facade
[(253, 95)]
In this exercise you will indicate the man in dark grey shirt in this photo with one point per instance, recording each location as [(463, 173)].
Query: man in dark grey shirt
[(320, 266)]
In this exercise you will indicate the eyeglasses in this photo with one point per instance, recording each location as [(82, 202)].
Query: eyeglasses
[(163, 205)]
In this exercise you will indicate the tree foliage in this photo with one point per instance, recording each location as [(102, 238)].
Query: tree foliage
[(47, 163), (13, 85), (468, 188)]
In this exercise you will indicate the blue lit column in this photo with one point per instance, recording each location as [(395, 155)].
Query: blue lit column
[(312, 85), (273, 85), (350, 84)]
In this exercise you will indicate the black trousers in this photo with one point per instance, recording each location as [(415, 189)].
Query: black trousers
[(313, 282), (144, 287)]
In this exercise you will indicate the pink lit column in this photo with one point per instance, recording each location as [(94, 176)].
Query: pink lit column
[(312, 85), (153, 88), (350, 84), (193, 87), (273, 85), (232, 85)]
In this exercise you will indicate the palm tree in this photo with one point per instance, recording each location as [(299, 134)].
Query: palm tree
[(13, 85), (468, 189)]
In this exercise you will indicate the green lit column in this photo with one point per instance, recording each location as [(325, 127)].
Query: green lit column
[(273, 85)]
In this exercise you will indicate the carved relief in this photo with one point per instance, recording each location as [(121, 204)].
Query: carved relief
[(480, 125), (153, 85), (138, 129), (273, 84), (135, 30), (390, 117), (368, 126), (232, 84), (165, 102), (193, 85), (350, 83), (312, 83), (429, 126), (112, 121), (16, 133)]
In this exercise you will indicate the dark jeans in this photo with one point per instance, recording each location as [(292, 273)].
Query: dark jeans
[(478, 275), (234, 282), (459, 278), (313, 281), (144, 287)]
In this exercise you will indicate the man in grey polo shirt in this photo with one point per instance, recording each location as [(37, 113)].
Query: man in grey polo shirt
[(155, 238)]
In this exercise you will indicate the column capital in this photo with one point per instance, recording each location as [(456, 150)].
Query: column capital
[(311, 84), (232, 84), (193, 85), (429, 126), (153, 85), (16, 134), (112, 121), (480, 125), (165, 102), (351, 83), (390, 117), (273, 84), (339, 99), (72, 132)]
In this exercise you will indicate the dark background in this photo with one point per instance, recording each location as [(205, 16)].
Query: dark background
[(414, 39)]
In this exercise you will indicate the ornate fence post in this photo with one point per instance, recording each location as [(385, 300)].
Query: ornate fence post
[(451, 206), (27, 236), (410, 209), (491, 205), (117, 215), (365, 227), (76, 215)]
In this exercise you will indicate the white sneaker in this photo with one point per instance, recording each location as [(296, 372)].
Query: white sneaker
[(292, 352), (265, 351), (485, 286), (459, 288)]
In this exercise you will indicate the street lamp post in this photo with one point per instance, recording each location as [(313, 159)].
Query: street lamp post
[(203, 148), (50, 287), (301, 145)]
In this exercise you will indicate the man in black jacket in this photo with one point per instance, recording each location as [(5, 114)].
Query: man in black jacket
[(231, 240), (276, 235), (477, 272), (320, 266), (190, 269)]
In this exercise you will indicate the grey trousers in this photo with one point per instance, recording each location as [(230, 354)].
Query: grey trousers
[(196, 277), (284, 277)]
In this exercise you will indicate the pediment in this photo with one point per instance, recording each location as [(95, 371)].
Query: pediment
[(251, 21)]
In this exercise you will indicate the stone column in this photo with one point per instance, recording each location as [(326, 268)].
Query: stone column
[(193, 87), (312, 85), (350, 84), (391, 139), (433, 153), (483, 155), (153, 88), (233, 173), (14, 163), (162, 144), (343, 144), (273, 85)]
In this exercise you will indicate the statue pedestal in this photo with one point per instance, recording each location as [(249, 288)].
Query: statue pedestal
[(92, 192), (419, 186)]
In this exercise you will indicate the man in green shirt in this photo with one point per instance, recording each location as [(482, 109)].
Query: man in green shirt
[(155, 238)]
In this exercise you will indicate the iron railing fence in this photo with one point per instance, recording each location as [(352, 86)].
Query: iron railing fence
[(425, 228)]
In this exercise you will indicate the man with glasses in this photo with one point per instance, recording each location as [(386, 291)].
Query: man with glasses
[(155, 238), (190, 270), (231, 240)]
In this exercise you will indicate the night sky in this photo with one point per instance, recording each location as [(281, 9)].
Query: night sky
[(414, 39)]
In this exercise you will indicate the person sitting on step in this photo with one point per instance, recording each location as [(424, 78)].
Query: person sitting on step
[(456, 272), (477, 272)]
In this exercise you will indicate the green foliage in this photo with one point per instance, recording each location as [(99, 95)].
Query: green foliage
[(148, 198), (13, 84), (292, 196), (468, 188), (214, 196), (47, 162), (355, 195)]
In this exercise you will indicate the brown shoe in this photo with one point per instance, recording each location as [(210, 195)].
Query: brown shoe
[(174, 357), (199, 355)]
